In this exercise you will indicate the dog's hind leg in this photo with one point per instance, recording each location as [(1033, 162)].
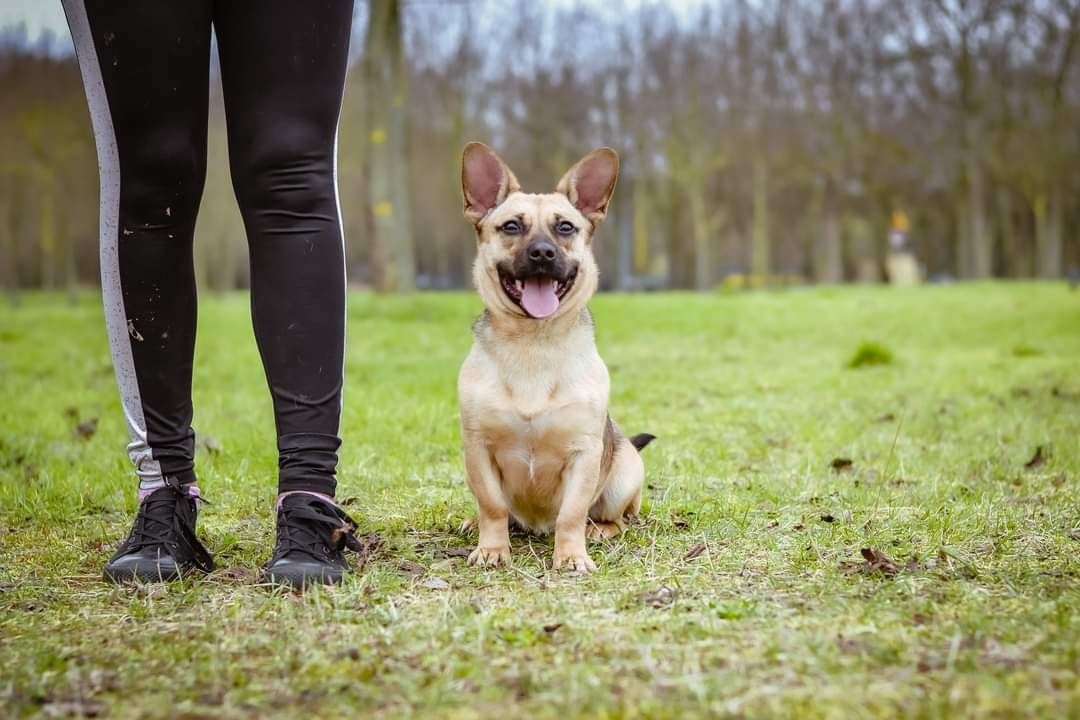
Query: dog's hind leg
[(621, 497), (601, 530)]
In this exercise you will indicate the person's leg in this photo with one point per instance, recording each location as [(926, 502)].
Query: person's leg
[(145, 67), (283, 72)]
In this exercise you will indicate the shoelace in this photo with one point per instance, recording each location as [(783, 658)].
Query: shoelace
[(165, 518), (304, 528)]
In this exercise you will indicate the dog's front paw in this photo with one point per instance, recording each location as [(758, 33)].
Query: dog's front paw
[(575, 562), (490, 556)]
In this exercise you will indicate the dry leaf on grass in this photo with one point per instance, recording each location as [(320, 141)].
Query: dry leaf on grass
[(841, 464), (874, 561), (86, 429), (349, 654), (879, 561), (368, 545), (696, 551), (1038, 459)]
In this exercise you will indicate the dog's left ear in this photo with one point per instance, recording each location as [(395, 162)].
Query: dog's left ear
[(591, 182)]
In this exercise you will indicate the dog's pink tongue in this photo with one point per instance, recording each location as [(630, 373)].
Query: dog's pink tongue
[(538, 297)]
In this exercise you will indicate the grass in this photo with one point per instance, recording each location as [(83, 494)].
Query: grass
[(933, 576), (870, 353)]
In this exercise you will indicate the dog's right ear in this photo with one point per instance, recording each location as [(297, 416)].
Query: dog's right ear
[(485, 181)]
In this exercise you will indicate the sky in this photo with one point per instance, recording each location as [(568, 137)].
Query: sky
[(37, 15)]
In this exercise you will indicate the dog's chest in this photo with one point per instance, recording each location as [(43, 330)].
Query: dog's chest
[(532, 440), (535, 426)]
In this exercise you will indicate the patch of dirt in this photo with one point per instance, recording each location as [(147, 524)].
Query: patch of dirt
[(77, 697), (451, 552), (238, 575), (407, 567), (435, 583), (660, 598)]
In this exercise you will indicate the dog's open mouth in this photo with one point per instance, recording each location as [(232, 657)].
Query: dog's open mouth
[(539, 295)]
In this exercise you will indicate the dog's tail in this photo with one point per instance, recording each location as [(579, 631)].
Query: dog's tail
[(640, 440)]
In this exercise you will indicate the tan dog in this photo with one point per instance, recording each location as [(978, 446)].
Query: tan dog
[(540, 447)]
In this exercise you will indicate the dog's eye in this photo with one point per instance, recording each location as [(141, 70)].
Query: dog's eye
[(565, 228), (510, 227)]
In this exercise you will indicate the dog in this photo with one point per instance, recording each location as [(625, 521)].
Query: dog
[(540, 447)]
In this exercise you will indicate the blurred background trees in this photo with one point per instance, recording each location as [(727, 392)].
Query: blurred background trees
[(771, 138)]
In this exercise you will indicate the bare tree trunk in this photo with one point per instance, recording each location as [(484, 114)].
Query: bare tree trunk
[(1016, 258), (387, 127), (50, 272), (642, 210), (827, 261), (67, 252), (980, 242), (700, 221), (9, 270), (864, 253), (760, 263), (1048, 233), (624, 238), (963, 240)]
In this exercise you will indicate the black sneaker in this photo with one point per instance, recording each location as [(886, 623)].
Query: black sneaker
[(162, 545), (312, 535)]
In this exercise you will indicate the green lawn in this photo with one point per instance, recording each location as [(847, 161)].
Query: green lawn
[(770, 609)]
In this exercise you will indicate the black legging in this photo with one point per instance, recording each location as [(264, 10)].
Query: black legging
[(146, 70)]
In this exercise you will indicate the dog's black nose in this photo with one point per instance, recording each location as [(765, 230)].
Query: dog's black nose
[(542, 249)]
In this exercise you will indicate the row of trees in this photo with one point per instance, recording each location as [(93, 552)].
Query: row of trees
[(774, 137)]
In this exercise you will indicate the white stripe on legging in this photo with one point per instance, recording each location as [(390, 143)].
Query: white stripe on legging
[(344, 257), (146, 467)]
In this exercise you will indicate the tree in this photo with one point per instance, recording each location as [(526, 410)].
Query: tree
[(387, 128)]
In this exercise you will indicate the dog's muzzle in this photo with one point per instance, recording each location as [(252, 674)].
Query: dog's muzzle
[(539, 278)]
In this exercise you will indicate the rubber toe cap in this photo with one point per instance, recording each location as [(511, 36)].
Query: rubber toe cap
[(302, 572), (142, 567)]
